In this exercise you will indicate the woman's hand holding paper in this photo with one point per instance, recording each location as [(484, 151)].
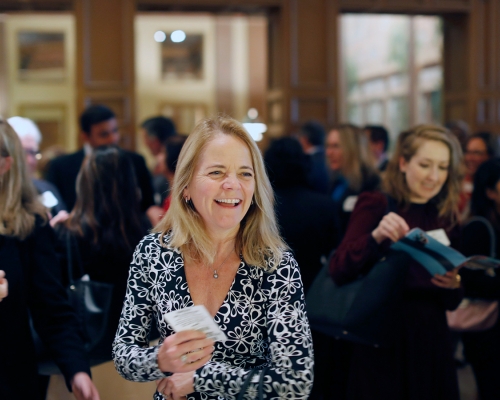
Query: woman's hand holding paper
[(185, 351), (392, 227)]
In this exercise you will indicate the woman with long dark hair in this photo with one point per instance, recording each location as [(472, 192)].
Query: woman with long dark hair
[(104, 227)]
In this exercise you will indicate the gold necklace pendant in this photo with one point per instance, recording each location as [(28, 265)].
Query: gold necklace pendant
[(216, 275)]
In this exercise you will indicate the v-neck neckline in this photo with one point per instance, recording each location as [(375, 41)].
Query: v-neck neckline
[(226, 298)]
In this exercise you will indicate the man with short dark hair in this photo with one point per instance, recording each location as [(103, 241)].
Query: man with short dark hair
[(312, 138), (99, 127), (156, 131), (379, 143)]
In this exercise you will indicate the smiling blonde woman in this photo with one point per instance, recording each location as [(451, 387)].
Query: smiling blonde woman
[(217, 246)]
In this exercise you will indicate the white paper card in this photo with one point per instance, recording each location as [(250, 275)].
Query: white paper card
[(440, 235), (48, 199), (349, 203), (197, 318)]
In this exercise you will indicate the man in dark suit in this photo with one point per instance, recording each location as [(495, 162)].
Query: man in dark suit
[(99, 128), (312, 138)]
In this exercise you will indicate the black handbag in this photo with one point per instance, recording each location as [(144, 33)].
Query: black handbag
[(363, 311), (91, 301)]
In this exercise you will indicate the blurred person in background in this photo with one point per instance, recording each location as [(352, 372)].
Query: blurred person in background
[(99, 127), (30, 265), (482, 349), (461, 130), (103, 229), (4, 285), (347, 156), (305, 217), (173, 147), (155, 132), (378, 139), (478, 149), (48, 154), (312, 138), (30, 137)]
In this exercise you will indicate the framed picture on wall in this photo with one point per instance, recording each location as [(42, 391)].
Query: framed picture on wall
[(184, 115), (51, 120), (182, 56), (41, 56)]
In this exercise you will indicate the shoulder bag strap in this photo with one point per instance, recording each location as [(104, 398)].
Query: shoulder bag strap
[(491, 232), (69, 255)]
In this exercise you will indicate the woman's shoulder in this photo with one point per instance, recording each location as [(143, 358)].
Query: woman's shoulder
[(276, 266), (372, 199), (156, 241)]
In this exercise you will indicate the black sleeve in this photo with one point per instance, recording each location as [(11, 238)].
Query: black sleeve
[(52, 174), (144, 181), (53, 317)]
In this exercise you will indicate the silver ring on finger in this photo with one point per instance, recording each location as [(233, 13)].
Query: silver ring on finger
[(184, 359)]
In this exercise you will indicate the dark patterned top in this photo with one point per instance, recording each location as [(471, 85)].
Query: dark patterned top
[(263, 317)]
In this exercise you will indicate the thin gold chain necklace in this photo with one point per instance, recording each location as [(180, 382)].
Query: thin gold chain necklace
[(216, 275)]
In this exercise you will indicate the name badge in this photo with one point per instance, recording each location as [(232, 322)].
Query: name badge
[(48, 199), (349, 203), (440, 235)]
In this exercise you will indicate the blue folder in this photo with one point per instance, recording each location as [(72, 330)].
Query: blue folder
[(434, 256)]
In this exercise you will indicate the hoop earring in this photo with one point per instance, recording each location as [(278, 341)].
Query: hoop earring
[(190, 204)]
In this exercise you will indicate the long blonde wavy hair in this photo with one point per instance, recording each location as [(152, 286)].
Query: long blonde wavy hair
[(258, 238), (355, 154), (407, 145), (18, 197)]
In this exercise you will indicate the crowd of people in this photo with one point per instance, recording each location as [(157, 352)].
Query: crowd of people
[(219, 224)]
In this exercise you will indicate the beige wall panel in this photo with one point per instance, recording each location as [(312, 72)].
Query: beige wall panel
[(258, 64), (41, 96), (309, 43), (307, 109), (224, 70), (104, 36), (152, 91)]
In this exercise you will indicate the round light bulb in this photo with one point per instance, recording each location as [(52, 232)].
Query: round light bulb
[(252, 113), (160, 36), (178, 36)]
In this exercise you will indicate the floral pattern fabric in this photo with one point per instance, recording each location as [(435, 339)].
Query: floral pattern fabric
[(263, 317)]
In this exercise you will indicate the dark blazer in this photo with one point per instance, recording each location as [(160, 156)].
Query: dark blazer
[(64, 170), (307, 224), (319, 175), (35, 289)]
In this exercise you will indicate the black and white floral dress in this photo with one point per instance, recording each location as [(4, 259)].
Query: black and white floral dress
[(263, 317)]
